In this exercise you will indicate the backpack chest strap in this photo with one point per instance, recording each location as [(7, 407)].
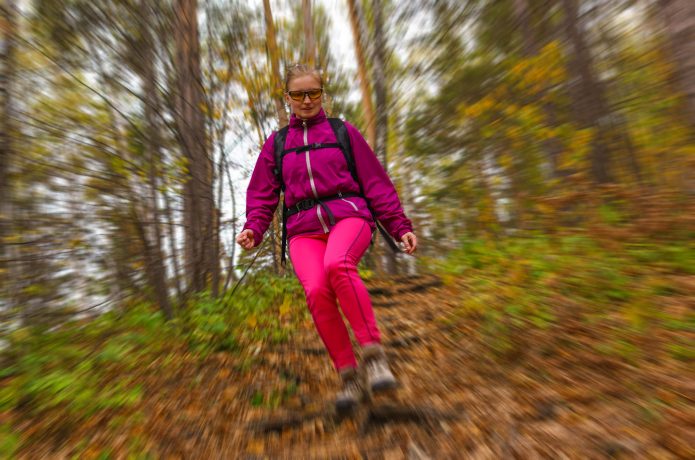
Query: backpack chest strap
[(314, 146)]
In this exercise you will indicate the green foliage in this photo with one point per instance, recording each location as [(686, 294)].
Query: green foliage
[(9, 441), (208, 326), (683, 351), (264, 308), (82, 369), (518, 285)]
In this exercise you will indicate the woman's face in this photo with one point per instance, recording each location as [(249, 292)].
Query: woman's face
[(307, 107)]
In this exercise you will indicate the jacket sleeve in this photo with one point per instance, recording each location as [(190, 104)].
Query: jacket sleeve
[(377, 187), (263, 192)]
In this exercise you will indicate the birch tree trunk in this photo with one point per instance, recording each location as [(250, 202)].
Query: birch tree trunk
[(171, 233)]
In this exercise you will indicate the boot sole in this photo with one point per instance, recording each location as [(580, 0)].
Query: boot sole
[(379, 387), (345, 406)]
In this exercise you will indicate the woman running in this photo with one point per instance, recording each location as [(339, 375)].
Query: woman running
[(329, 226)]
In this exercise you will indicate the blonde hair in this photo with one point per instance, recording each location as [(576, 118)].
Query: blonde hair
[(299, 70)]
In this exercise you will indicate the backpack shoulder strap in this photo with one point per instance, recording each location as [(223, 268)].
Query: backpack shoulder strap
[(343, 139), (280, 138)]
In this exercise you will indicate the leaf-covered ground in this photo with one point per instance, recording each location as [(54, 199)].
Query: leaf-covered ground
[(552, 395)]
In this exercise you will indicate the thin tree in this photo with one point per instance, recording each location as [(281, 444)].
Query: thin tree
[(153, 145), (382, 109), (274, 57), (309, 42), (8, 29), (357, 25), (588, 93), (198, 192), (679, 19)]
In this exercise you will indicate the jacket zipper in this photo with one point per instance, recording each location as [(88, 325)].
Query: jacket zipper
[(311, 179), (340, 194)]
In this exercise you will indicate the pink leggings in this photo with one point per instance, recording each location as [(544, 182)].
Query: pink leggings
[(326, 265)]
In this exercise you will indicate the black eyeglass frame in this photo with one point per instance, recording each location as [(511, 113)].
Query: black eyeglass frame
[(305, 94)]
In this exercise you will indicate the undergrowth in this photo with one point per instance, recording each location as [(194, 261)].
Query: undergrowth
[(622, 291), (87, 368)]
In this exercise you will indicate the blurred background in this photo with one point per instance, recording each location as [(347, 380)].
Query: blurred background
[(544, 150)]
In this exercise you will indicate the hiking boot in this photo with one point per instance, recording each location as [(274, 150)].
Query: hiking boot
[(352, 391), (379, 376)]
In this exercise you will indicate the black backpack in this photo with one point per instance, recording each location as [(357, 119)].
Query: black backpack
[(343, 143)]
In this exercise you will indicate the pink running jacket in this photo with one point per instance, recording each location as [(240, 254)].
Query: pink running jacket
[(321, 173)]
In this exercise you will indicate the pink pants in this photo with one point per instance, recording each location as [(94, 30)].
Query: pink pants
[(326, 265)]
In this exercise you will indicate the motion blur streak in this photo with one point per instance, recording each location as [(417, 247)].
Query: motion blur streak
[(544, 150)]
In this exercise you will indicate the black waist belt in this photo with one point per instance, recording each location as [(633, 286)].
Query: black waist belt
[(309, 203)]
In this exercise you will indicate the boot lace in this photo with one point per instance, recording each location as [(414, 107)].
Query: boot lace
[(351, 388), (377, 368)]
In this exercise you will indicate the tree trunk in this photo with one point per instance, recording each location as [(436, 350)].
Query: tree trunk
[(198, 192), (121, 256), (521, 11), (357, 26), (588, 94), (309, 42), (7, 131), (530, 45), (153, 145), (679, 18), (217, 274), (356, 23), (282, 117), (213, 133), (382, 113), (172, 244), (274, 63), (231, 274), (153, 270)]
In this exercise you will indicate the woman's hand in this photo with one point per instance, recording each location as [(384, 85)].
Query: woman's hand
[(410, 242), (245, 239)]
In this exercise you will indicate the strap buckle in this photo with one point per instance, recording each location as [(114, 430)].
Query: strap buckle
[(305, 205)]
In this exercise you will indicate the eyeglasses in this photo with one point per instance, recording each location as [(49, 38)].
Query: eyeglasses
[(300, 95)]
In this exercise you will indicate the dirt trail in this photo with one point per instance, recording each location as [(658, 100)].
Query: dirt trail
[(409, 421), (454, 402)]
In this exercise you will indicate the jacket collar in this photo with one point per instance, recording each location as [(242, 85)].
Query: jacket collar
[(296, 122)]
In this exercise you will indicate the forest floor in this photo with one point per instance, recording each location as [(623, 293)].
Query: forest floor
[(560, 400)]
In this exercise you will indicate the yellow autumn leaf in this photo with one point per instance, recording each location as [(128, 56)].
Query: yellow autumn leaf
[(286, 307)]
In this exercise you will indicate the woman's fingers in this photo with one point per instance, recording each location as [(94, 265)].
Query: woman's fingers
[(410, 242), (245, 239), (413, 244)]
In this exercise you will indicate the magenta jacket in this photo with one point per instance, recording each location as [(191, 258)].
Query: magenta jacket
[(321, 173)]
